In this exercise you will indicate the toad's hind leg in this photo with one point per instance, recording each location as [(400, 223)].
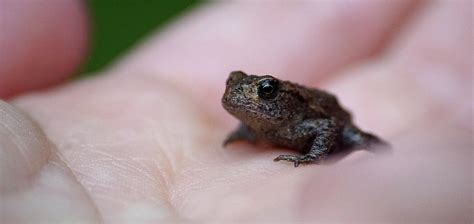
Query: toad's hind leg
[(354, 138)]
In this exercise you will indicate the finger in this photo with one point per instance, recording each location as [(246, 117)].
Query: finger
[(41, 43), (425, 76), (35, 185), (298, 41)]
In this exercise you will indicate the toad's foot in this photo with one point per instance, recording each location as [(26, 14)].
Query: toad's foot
[(297, 160)]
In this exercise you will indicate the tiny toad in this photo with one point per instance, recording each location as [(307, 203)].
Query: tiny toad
[(289, 115)]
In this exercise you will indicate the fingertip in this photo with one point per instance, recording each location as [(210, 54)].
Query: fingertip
[(41, 43)]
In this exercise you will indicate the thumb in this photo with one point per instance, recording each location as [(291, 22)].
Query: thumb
[(24, 149), (41, 43), (31, 176)]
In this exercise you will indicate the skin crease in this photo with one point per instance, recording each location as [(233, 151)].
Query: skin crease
[(142, 142)]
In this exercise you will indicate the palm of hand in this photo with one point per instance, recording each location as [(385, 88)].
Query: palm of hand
[(143, 141)]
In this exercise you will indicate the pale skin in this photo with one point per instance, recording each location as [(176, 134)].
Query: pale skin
[(142, 142)]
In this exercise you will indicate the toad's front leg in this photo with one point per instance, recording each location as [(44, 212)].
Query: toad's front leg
[(325, 132), (243, 132)]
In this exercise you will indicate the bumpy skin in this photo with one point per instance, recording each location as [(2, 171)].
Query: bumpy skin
[(289, 115)]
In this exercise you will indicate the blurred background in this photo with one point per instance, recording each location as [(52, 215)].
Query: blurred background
[(118, 25)]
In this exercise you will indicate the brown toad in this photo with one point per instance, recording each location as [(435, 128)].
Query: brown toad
[(289, 115)]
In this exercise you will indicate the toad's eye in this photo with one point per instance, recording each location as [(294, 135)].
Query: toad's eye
[(267, 88)]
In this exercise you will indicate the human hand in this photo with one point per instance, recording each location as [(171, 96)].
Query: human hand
[(142, 141)]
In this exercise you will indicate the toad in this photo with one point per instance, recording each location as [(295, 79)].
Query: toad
[(285, 114)]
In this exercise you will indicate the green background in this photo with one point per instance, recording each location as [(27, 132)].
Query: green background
[(117, 25)]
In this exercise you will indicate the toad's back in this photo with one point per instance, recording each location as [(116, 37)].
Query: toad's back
[(322, 102)]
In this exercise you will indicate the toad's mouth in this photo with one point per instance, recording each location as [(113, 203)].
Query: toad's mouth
[(244, 110)]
